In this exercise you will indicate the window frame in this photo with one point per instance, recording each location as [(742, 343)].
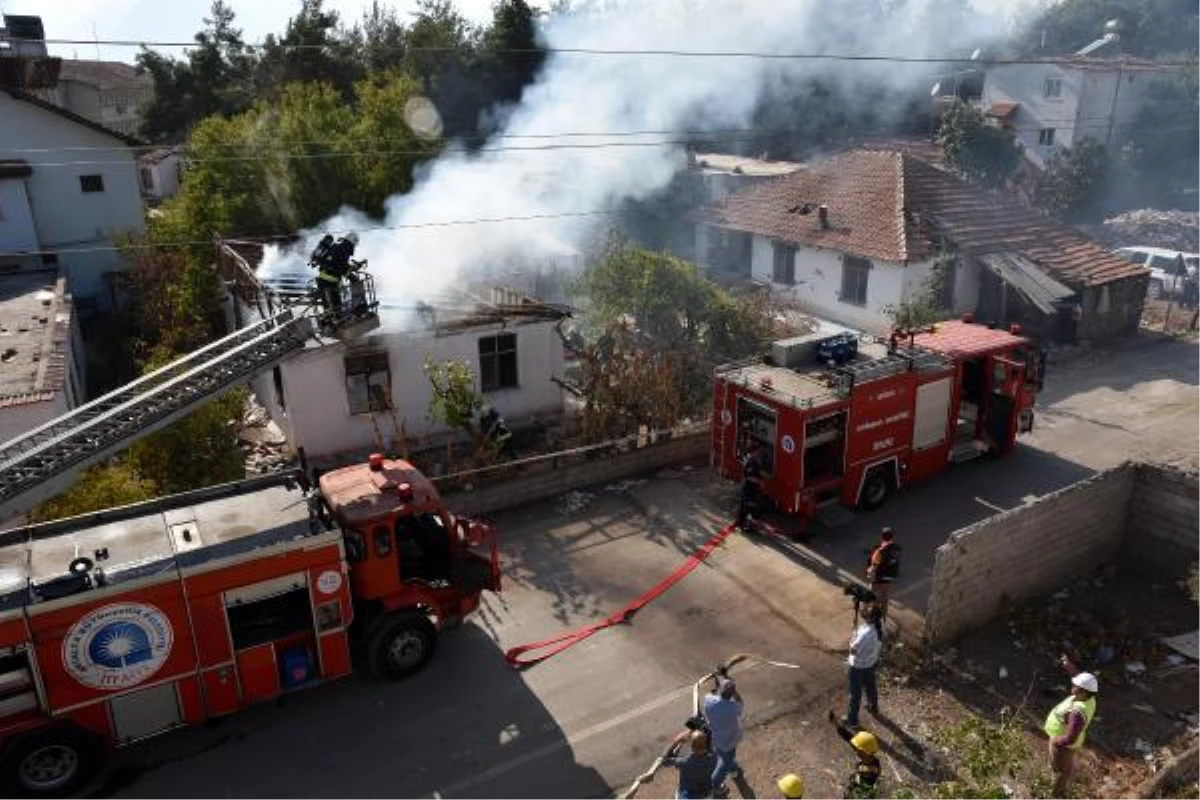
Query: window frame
[(92, 183), (368, 367), (1052, 88), (783, 255), (498, 366), (1046, 137), (855, 265)]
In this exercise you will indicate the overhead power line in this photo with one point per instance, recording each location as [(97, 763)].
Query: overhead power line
[(273, 238), (597, 51)]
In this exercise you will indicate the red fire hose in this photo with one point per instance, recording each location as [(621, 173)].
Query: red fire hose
[(559, 643)]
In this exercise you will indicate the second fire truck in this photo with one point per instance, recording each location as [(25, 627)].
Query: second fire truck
[(849, 420)]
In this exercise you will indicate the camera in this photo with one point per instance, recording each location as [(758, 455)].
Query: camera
[(696, 723), (859, 593)]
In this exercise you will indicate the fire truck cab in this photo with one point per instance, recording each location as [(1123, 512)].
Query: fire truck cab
[(850, 419), (125, 623)]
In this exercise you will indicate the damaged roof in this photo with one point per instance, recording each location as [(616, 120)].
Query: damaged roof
[(890, 206), (35, 319)]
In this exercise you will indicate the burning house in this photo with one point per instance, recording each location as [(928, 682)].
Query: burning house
[(337, 400)]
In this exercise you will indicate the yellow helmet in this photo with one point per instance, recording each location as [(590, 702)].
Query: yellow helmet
[(791, 786), (865, 742)]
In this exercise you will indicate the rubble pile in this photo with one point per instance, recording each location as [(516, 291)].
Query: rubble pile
[(262, 441), (1148, 227)]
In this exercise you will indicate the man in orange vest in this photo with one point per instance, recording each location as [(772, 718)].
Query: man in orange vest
[(1067, 725), (883, 567)]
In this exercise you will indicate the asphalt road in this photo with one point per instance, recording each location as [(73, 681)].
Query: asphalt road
[(593, 717)]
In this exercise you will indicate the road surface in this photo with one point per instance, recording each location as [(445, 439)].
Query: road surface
[(593, 717)]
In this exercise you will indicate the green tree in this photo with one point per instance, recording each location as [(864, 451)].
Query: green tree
[(378, 40), (199, 450), (982, 153), (1074, 181), (1162, 142), (312, 48), (116, 483), (510, 55), (442, 53), (215, 78), (647, 311), (1149, 28)]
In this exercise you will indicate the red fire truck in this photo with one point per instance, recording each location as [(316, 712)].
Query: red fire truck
[(128, 622), (125, 623), (851, 419)]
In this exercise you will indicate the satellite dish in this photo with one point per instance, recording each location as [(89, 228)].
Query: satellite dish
[(937, 87), (976, 54)]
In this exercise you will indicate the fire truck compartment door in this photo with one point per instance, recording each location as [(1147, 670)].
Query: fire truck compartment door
[(932, 414), (145, 712)]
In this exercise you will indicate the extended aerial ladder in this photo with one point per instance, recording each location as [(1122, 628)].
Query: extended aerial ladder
[(45, 461)]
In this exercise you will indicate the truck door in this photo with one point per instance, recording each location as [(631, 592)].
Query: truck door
[(1003, 403)]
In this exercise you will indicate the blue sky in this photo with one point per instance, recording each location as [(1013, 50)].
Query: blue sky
[(178, 20)]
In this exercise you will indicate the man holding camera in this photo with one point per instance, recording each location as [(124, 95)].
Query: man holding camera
[(866, 645)]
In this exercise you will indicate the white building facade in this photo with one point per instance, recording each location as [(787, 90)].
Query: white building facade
[(64, 207), (1055, 104), (340, 400)]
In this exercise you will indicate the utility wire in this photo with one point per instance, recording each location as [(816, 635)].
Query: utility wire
[(696, 136), (269, 154), (273, 238), (596, 51)]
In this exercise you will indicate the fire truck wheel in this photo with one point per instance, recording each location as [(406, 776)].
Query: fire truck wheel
[(402, 645), (876, 490), (51, 763)]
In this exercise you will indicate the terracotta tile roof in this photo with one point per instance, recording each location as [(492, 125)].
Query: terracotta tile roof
[(35, 332), (1001, 110), (889, 206), (863, 191)]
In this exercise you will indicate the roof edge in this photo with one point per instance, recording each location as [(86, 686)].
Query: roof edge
[(33, 99)]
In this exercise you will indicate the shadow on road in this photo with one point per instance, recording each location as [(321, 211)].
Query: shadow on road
[(368, 738)]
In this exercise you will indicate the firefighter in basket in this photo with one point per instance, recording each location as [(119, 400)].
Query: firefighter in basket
[(333, 262)]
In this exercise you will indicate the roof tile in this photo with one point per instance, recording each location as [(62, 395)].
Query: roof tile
[(889, 206)]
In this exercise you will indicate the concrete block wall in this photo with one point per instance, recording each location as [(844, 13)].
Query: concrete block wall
[(555, 478), (1027, 551), (1161, 529)]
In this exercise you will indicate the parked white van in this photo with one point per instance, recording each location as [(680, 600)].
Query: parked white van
[(1169, 269)]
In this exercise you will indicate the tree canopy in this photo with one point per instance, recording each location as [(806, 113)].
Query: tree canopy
[(464, 69), (982, 153)]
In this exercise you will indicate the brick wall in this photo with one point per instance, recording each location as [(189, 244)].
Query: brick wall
[(1161, 526), (1027, 551), (557, 476)]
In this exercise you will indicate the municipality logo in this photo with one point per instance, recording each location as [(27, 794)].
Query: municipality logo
[(117, 646)]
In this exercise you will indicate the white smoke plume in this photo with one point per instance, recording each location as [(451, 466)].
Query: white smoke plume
[(566, 183)]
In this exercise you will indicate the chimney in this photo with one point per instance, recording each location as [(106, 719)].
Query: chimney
[(823, 216)]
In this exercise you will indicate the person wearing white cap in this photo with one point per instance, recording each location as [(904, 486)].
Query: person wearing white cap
[(1067, 725)]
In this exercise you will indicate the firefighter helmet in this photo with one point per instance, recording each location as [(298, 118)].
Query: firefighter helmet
[(792, 786), (352, 238), (866, 742)]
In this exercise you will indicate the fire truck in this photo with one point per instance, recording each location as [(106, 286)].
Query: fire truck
[(128, 622), (848, 419)]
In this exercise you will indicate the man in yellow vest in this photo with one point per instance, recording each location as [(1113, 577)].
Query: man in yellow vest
[(1067, 725)]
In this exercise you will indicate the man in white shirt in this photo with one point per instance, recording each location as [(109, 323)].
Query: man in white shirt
[(723, 712), (866, 645)]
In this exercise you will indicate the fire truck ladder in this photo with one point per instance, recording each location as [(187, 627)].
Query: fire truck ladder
[(42, 463)]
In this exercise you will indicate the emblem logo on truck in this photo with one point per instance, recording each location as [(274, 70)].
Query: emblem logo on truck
[(117, 646)]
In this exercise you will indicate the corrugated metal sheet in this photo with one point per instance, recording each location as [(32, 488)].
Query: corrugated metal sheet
[(1025, 276)]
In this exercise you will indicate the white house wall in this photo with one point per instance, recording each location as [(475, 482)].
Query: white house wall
[(819, 285), (1025, 84), (318, 418), (64, 216), (17, 233)]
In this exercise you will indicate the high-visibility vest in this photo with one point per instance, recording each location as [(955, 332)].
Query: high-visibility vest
[(1056, 720)]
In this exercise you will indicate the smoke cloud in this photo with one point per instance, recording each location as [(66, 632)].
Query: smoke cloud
[(539, 167)]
